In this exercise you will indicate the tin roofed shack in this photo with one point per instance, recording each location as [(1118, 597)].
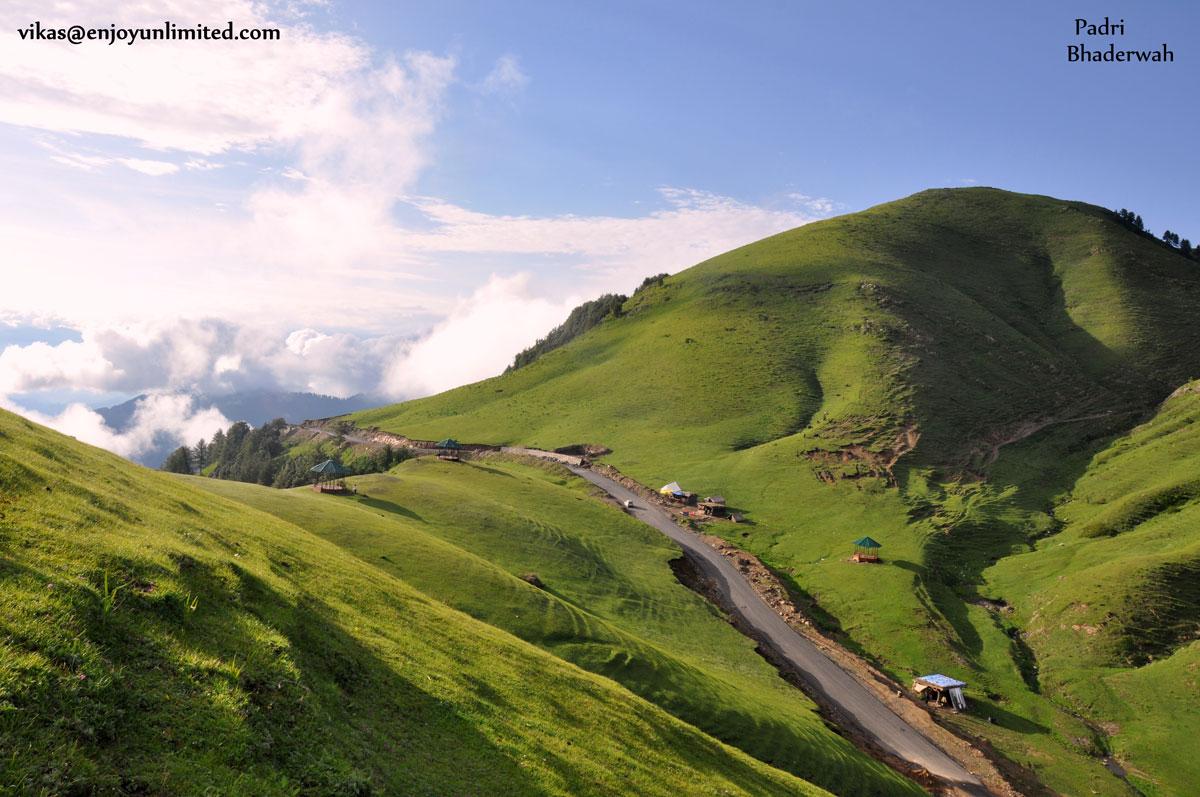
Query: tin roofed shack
[(941, 690)]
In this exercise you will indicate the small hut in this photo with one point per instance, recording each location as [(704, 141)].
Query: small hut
[(682, 497), (941, 690), (449, 449), (714, 506), (677, 495), (330, 477), (866, 550)]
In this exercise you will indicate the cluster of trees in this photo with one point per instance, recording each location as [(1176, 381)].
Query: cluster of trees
[(1172, 239), (655, 281), (261, 456), (1134, 222), (581, 319)]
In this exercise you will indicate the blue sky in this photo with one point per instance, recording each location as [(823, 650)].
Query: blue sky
[(861, 102), (396, 197)]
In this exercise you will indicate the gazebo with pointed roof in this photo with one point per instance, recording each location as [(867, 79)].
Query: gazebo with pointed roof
[(448, 449), (330, 474), (866, 550)]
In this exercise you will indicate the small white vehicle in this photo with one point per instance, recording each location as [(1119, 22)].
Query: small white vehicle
[(628, 504)]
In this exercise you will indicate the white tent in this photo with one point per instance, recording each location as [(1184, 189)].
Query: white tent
[(667, 489)]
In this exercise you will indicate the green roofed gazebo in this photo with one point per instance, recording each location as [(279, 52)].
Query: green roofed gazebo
[(866, 550), (448, 449), (329, 477)]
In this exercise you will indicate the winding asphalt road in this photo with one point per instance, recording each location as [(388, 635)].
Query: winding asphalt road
[(835, 685)]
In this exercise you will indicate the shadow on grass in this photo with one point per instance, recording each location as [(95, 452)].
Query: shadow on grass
[(986, 709), (248, 682), (408, 738), (954, 609), (486, 469), (390, 507)]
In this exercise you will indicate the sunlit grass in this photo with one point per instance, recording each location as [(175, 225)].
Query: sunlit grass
[(155, 638), (966, 315)]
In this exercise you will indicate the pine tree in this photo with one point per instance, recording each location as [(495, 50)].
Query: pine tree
[(200, 455), (217, 447), (179, 461)]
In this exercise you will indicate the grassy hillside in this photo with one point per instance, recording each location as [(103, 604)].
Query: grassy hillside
[(966, 312), (157, 639), (465, 533), (859, 375), (1111, 603)]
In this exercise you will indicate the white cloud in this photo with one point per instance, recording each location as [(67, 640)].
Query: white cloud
[(479, 337), (351, 121), (150, 167), (40, 366), (91, 163), (506, 77), (210, 356), (157, 416), (695, 226), (819, 205), (290, 241), (77, 161), (200, 164), (202, 97)]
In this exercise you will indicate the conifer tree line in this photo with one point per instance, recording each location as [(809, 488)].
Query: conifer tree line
[(260, 456), (1134, 222)]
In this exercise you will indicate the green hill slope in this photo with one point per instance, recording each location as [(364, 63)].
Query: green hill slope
[(1111, 603), (967, 312), (859, 375), (465, 533), (157, 639)]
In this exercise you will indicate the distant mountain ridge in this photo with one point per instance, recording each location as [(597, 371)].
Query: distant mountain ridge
[(255, 407)]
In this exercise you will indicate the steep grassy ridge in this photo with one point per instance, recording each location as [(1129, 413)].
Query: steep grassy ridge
[(790, 374), (157, 639), (464, 533)]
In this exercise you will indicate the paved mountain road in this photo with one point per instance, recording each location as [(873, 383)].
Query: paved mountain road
[(835, 685)]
